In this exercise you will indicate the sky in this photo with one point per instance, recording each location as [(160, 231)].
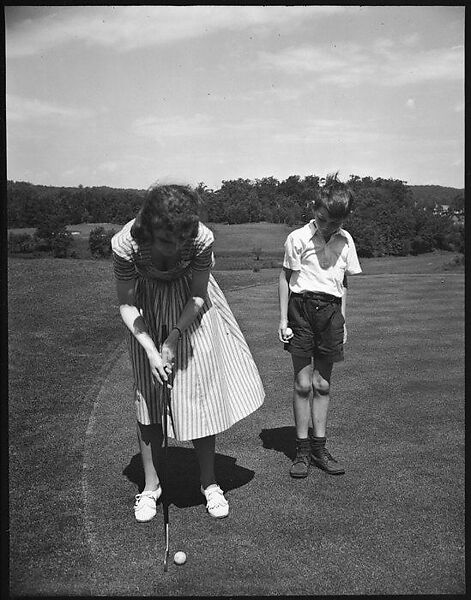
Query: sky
[(126, 96)]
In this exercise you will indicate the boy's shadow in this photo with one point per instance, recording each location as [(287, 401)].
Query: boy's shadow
[(183, 475), (281, 439)]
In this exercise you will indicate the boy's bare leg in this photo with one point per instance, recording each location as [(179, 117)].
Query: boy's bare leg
[(320, 396), (320, 456), (302, 415), (301, 394)]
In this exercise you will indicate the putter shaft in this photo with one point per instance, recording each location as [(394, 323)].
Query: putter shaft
[(165, 392), (167, 410)]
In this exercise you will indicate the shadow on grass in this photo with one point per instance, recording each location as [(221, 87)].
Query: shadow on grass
[(183, 471), (281, 439)]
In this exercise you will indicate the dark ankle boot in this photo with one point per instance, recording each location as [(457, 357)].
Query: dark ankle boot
[(323, 459), (300, 466)]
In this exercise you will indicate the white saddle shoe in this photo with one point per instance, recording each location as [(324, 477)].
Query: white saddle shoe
[(145, 505), (216, 505)]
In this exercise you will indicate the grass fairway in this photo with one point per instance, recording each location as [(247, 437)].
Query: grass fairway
[(394, 524)]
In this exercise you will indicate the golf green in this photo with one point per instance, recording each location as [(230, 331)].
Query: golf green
[(393, 524)]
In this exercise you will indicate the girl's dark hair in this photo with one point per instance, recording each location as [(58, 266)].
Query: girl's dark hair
[(336, 197), (174, 208)]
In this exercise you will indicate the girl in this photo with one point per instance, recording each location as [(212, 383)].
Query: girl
[(162, 265)]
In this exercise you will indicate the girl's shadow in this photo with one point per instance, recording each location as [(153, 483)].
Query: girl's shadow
[(183, 475), (281, 439)]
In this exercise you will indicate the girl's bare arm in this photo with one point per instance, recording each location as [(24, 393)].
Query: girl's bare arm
[(137, 326)]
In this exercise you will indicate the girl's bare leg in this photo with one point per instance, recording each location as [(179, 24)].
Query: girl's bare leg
[(150, 441), (205, 451)]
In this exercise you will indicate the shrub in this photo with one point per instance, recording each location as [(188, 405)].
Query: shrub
[(99, 242), (453, 241), (21, 243), (456, 261), (61, 242), (420, 245), (53, 235)]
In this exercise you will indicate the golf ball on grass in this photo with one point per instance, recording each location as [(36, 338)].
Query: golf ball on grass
[(179, 558)]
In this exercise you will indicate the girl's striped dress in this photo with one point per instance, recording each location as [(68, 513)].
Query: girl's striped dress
[(216, 381)]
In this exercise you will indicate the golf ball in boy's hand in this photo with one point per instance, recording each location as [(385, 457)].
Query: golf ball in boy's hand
[(179, 558), (288, 333)]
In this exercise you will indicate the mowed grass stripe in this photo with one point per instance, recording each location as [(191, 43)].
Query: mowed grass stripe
[(64, 326), (392, 524)]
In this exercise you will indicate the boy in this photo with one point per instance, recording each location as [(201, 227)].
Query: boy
[(312, 292)]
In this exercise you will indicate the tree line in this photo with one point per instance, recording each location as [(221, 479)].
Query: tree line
[(388, 217)]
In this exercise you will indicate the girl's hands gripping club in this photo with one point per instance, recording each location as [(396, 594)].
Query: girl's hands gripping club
[(161, 364), (157, 367)]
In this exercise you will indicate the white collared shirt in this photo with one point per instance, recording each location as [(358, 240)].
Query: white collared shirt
[(319, 266)]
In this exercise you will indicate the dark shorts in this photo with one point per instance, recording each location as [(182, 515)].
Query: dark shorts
[(318, 326)]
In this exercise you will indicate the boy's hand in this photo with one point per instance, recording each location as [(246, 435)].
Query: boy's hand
[(285, 333)]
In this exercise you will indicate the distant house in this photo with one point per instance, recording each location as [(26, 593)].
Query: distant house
[(441, 209), (444, 209)]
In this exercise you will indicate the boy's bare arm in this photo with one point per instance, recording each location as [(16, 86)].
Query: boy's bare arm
[(283, 293), (344, 313)]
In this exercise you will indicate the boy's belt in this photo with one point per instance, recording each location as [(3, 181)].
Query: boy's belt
[(318, 296)]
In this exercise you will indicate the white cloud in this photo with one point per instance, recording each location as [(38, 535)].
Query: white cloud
[(444, 64), (333, 131), (25, 109), (385, 64), (410, 103), (310, 58), (109, 166), (130, 27), (411, 40), (251, 125), (273, 93), (159, 128)]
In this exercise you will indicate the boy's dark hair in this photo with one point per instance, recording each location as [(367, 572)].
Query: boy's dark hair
[(174, 208), (336, 197)]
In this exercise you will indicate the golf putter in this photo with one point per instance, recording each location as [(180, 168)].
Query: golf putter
[(165, 504)]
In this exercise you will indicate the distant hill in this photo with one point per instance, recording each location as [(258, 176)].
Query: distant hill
[(431, 195)]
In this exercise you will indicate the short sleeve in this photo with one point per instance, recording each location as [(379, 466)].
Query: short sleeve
[(353, 264), (203, 258), (292, 258), (122, 253), (123, 269)]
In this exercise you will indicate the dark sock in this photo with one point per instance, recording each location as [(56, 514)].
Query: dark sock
[(317, 442), (303, 445)]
